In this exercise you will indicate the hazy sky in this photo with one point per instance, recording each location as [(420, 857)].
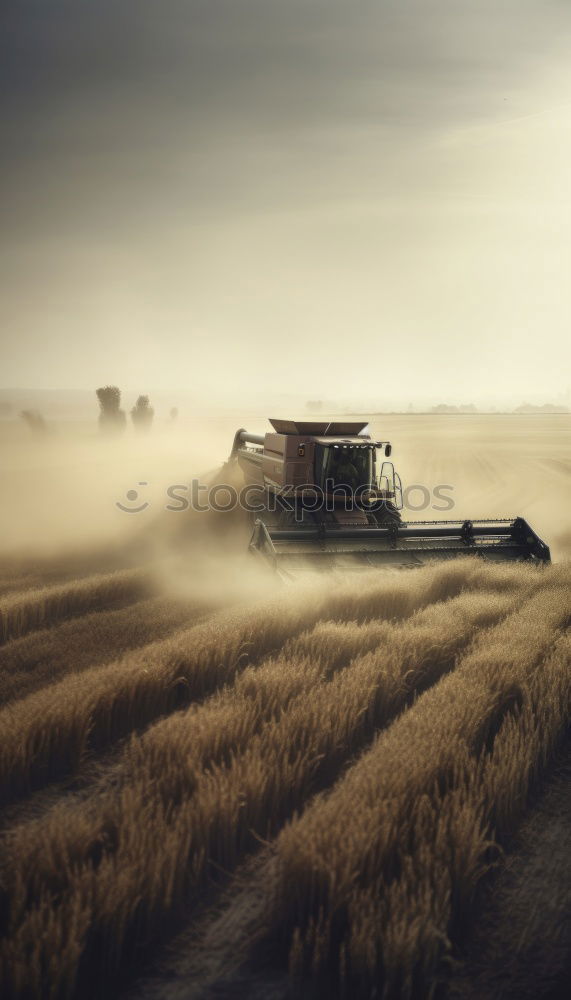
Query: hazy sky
[(367, 198)]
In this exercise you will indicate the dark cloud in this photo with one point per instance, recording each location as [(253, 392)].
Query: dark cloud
[(241, 65), (138, 134), (110, 105)]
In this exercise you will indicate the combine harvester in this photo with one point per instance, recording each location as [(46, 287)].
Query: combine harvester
[(326, 495)]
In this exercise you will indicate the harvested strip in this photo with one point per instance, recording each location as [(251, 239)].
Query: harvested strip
[(97, 867), (22, 612), (370, 879), (45, 736)]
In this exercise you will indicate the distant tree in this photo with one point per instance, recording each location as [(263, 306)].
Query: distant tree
[(112, 419), (545, 408), (173, 415), (142, 414), (315, 405), (34, 420), (452, 408)]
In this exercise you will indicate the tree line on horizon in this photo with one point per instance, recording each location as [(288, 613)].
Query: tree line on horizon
[(113, 419)]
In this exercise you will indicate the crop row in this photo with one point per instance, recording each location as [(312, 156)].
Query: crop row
[(371, 882), (46, 735), (197, 791)]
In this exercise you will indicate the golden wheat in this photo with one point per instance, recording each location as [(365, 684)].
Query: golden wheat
[(46, 655), (277, 700), (213, 816), (22, 612), (370, 879), (48, 733)]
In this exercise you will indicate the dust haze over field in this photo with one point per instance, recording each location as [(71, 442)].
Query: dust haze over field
[(214, 783), (62, 491)]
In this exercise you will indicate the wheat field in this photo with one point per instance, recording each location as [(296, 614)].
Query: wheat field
[(304, 787)]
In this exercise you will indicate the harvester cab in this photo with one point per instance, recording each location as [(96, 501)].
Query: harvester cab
[(324, 494), (317, 468)]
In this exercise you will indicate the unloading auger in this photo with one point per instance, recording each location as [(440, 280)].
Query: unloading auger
[(325, 495)]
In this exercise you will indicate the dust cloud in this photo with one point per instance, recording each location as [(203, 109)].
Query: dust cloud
[(60, 493)]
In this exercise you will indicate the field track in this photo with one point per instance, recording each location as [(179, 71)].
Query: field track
[(356, 751)]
